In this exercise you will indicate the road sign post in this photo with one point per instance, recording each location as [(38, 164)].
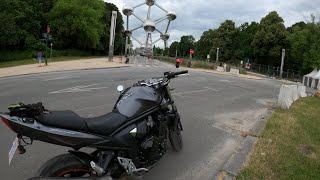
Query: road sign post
[(190, 60)]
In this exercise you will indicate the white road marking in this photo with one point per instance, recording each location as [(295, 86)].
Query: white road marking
[(59, 78), (83, 88), (226, 81), (202, 90)]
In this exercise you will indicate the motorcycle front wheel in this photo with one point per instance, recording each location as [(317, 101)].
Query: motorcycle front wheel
[(175, 138), (65, 165)]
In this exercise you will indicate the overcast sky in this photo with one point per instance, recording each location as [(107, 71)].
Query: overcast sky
[(196, 16)]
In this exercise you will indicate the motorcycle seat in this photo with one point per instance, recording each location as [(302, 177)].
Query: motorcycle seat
[(69, 120)]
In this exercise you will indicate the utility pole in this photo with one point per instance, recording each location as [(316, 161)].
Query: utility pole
[(112, 34), (47, 38), (51, 51), (282, 62), (217, 57)]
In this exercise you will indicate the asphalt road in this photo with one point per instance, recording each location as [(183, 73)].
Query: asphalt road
[(214, 110)]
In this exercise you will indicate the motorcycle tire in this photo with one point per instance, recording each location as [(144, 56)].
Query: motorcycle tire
[(176, 141), (65, 165)]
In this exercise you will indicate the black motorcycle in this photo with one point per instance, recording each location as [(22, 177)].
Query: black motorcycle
[(127, 141)]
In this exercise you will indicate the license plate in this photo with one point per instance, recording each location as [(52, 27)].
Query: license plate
[(13, 149)]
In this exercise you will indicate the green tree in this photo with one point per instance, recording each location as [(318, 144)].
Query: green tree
[(203, 46), (173, 47), (18, 22), (77, 23), (243, 41), (270, 39), (224, 39), (157, 50), (119, 42), (186, 43), (298, 45)]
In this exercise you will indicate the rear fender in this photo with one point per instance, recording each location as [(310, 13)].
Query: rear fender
[(37, 131), (83, 157)]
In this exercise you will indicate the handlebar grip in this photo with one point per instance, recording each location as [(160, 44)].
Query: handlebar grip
[(181, 72)]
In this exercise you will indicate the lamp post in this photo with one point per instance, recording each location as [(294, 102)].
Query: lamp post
[(217, 58)]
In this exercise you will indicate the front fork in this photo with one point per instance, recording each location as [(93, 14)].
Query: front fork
[(175, 124)]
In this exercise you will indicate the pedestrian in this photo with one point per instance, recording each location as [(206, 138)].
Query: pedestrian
[(39, 58)]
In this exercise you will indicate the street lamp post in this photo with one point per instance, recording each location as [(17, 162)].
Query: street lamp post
[(217, 58)]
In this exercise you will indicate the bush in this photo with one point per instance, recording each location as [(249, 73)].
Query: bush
[(29, 54), (194, 64)]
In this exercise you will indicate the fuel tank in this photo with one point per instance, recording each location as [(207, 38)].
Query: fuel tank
[(137, 100)]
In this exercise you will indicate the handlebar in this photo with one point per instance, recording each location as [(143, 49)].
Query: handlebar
[(171, 75), (167, 76)]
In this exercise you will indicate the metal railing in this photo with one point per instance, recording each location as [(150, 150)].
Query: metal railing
[(273, 71)]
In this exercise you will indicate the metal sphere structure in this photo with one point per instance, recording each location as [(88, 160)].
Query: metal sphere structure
[(127, 10), (165, 37), (150, 2), (149, 25), (172, 15)]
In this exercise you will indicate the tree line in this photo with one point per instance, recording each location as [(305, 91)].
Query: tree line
[(260, 43), (74, 24)]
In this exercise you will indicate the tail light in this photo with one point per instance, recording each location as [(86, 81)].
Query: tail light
[(6, 122)]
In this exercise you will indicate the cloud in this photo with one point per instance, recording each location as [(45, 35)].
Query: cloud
[(196, 16)]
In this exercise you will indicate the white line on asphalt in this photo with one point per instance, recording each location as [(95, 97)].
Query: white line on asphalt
[(83, 88), (202, 90), (226, 81), (59, 78)]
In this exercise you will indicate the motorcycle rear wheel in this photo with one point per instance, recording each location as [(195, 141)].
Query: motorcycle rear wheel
[(65, 165)]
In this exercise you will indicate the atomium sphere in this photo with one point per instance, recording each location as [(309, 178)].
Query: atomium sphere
[(127, 10), (172, 15), (127, 33), (165, 37), (150, 2), (149, 25)]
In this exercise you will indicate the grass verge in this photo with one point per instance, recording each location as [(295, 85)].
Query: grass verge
[(289, 146), (35, 61)]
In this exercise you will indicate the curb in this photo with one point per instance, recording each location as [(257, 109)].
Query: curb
[(86, 69), (240, 157), (213, 72), (232, 75), (256, 130)]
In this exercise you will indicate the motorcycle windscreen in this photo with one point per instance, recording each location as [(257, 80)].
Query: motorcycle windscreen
[(137, 100)]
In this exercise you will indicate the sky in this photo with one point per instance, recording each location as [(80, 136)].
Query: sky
[(196, 16)]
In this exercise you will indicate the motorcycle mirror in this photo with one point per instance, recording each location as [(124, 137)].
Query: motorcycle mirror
[(120, 88)]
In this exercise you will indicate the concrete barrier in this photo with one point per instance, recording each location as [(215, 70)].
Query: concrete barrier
[(302, 91), (220, 69), (234, 71), (290, 93), (285, 99)]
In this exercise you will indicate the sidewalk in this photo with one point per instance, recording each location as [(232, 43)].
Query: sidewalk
[(95, 63)]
